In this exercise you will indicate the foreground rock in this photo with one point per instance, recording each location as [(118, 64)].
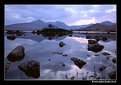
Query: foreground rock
[(17, 54), (94, 46), (31, 68), (80, 63), (112, 75), (61, 44)]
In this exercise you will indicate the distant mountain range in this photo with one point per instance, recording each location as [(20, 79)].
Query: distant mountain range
[(39, 25)]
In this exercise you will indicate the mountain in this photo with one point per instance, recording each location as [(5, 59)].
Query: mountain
[(59, 24), (39, 25), (108, 23), (101, 27), (80, 27)]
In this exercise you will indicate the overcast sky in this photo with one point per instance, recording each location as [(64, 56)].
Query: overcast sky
[(69, 14)]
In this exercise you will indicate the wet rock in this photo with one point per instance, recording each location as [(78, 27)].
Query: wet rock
[(114, 60), (62, 63), (73, 77), (104, 38), (59, 53), (11, 37), (7, 67), (17, 54), (102, 68), (31, 68), (49, 59), (92, 41), (112, 75), (94, 46), (96, 54), (80, 63), (64, 55), (61, 44), (106, 53)]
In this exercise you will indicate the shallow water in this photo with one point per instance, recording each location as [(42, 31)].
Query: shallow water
[(41, 48)]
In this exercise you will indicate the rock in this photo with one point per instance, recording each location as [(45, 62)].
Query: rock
[(80, 63), (11, 37), (106, 53), (95, 47), (64, 55), (96, 54), (92, 41), (112, 75), (62, 63), (49, 59), (30, 68), (17, 54), (102, 68), (7, 66), (61, 44), (114, 60), (104, 38), (59, 53)]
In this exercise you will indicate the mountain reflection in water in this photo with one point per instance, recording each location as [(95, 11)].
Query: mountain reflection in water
[(55, 61), (100, 36)]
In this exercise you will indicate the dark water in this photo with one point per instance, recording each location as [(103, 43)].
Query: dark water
[(41, 48)]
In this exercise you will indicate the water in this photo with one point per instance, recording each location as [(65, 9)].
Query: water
[(41, 48)]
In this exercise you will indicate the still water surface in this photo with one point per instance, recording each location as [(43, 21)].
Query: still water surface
[(41, 48)]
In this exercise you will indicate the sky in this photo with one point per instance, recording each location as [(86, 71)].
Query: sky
[(69, 14)]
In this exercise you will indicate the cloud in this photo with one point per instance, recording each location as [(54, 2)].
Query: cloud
[(69, 14), (111, 10), (85, 21)]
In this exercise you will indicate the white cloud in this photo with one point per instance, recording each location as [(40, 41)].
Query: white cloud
[(85, 21), (93, 11), (15, 15), (71, 10), (111, 10), (95, 5), (108, 17)]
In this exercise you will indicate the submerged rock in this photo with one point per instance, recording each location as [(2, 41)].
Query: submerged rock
[(112, 75), (94, 46), (114, 60), (17, 54), (30, 68), (62, 63), (80, 63), (61, 44), (59, 53), (102, 68), (7, 67), (106, 53)]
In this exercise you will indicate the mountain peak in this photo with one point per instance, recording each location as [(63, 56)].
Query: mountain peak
[(108, 23), (37, 21)]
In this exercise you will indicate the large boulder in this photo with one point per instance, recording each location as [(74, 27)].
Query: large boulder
[(94, 46), (80, 63), (31, 68), (17, 54), (61, 44)]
